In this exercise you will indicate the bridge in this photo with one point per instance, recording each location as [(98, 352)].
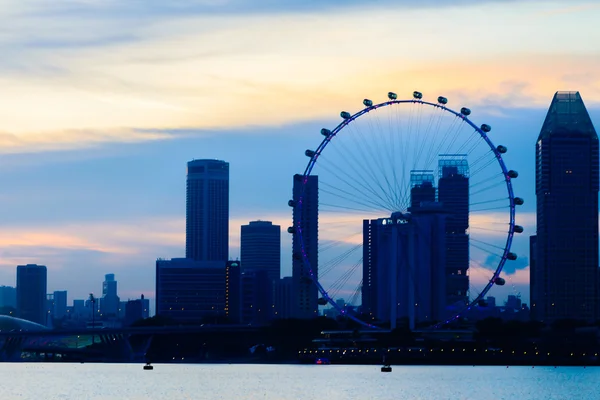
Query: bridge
[(129, 344)]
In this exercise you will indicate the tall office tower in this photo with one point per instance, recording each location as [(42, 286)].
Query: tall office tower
[(110, 302), (453, 193), (422, 189), (207, 210), (31, 292), (8, 297), (306, 217), (261, 248), (404, 260), (60, 304), (565, 274)]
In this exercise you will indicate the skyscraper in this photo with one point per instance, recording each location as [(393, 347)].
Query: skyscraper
[(109, 303), (305, 216), (453, 193), (60, 304), (261, 248), (31, 292), (404, 262), (565, 273), (207, 210)]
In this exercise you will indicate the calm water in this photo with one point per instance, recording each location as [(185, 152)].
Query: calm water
[(283, 382)]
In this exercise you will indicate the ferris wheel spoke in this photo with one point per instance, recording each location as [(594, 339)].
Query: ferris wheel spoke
[(348, 198), (383, 203), (489, 209), (489, 201), (487, 244), (375, 163), (357, 176), (479, 228), (436, 135)]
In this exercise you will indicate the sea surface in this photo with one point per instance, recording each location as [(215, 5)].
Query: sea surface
[(294, 382)]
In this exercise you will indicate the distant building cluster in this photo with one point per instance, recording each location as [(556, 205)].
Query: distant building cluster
[(30, 301)]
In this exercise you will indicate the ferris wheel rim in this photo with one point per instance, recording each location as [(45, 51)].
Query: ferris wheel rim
[(498, 156)]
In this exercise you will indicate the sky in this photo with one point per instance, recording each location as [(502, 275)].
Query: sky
[(103, 102)]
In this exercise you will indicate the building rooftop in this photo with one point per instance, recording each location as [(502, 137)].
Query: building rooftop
[(567, 115)]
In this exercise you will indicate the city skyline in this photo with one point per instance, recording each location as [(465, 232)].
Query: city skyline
[(95, 199)]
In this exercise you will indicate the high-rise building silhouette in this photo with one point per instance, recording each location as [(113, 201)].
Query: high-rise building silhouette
[(260, 248), (31, 293), (422, 188), (305, 216), (404, 262), (565, 274), (207, 210), (109, 302), (8, 297), (60, 304), (453, 193)]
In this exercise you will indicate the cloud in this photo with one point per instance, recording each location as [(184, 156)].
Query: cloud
[(183, 71)]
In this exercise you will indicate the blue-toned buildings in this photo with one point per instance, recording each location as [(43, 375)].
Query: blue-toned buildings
[(306, 216), (453, 193), (404, 262), (260, 248), (207, 210), (564, 277), (31, 293)]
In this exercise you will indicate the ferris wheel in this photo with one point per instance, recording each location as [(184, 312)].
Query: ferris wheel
[(416, 213)]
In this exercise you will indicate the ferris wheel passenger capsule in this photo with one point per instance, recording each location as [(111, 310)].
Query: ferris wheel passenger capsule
[(518, 229), (465, 111), (345, 115), (322, 301), (309, 153), (500, 281), (519, 201), (325, 132), (501, 149), (392, 96), (291, 229), (417, 95), (442, 100), (292, 203), (368, 103), (486, 128), (511, 256), (513, 174)]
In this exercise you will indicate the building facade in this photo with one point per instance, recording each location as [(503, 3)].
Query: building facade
[(207, 210), (453, 194), (565, 273), (8, 297), (195, 292), (305, 218), (60, 304), (31, 293), (404, 265), (260, 248), (110, 302)]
